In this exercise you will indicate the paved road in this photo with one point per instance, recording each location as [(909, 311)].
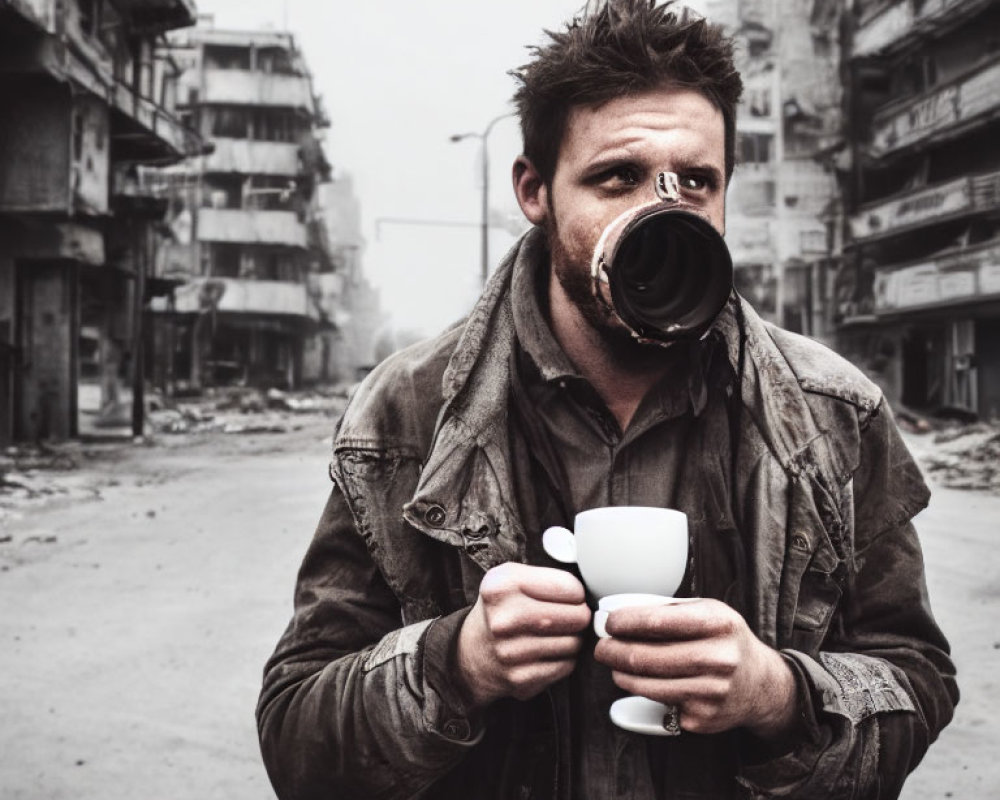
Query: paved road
[(131, 645), (131, 648), (960, 532)]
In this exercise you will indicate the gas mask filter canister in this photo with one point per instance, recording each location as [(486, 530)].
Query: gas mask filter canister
[(668, 271)]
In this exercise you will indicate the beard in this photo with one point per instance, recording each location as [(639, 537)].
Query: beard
[(571, 265)]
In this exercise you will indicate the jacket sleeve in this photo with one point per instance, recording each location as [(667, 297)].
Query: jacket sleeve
[(883, 686), (354, 704)]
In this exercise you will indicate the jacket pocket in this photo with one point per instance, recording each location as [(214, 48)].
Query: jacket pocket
[(810, 590), (819, 595)]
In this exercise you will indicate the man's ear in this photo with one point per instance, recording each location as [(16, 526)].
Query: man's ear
[(531, 191)]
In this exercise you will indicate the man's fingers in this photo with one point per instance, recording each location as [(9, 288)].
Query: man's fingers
[(529, 679), (552, 585), (698, 620), (699, 690), (524, 616), (527, 649), (538, 583), (669, 659)]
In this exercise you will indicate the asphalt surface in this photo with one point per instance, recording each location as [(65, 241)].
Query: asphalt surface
[(139, 608)]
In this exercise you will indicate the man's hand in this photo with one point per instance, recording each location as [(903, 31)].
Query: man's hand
[(523, 633), (704, 659)]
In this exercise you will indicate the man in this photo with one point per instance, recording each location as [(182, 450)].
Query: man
[(435, 651)]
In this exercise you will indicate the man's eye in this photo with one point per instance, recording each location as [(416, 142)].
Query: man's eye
[(627, 175), (618, 177), (695, 182)]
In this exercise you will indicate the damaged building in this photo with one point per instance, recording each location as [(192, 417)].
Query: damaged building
[(257, 288), (87, 101), (918, 298), (782, 221)]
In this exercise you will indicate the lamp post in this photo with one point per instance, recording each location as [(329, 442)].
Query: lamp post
[(484, 222)]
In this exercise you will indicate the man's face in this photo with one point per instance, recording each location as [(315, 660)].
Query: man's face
[(608, 160)]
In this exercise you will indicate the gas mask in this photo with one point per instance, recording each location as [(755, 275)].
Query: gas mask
[(668, 271)]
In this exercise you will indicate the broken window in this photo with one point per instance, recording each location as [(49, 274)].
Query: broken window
[(276, 125), (225, 260), (756, 148), (221, 191), (232, 122), (275, 60), (218, 56)]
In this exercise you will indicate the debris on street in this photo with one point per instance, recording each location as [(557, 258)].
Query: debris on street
[(34, 474), (239, 410), (966, 457)]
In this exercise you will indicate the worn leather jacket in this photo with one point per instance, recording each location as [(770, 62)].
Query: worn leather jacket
[(357, 700)]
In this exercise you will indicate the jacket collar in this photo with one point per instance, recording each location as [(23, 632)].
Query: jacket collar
[(466, 479)]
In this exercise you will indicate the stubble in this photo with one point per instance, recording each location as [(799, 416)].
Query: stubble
[(571, 265)]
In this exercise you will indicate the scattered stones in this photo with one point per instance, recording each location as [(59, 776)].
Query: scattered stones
[(966, 457), (239, 410), (41, 539)]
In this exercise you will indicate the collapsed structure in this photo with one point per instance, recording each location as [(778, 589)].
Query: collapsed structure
[(161, 219), (919, 293), (865, 209), (783, 219), (87, 101), (256, 287)]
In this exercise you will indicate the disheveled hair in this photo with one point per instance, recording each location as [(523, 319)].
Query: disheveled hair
[(624, 48)]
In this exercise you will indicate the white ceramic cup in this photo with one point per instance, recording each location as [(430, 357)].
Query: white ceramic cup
[(634, 549), (628, 556)]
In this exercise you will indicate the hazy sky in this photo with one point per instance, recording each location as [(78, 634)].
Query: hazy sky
[(398, 77)]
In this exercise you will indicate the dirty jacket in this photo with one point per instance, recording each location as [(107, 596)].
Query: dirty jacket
[(357, 701)]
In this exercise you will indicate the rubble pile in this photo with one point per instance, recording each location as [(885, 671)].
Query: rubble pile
[(966, 457), (240, 410), (26, 477)]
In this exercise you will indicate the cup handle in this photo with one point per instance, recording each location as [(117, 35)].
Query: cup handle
[(560, 544)]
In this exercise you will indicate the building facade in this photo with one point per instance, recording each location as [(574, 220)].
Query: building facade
[(782, 205), (253, 302), (86, 102), (918, 298), (355, 302)]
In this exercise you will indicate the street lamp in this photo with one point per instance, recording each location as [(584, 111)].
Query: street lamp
[(484, 222)]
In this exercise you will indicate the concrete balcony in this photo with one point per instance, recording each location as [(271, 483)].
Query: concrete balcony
[(940, 114), (160, 15), (244, 88), (939, 203), (259, 158), (895, 25), (243, 296), (958, 277), (251, 226), (146, 131)]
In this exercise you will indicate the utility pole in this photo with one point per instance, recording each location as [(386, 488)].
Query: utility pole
[(484, 222)]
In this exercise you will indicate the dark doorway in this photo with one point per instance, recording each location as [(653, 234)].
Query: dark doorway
[(924, 367)]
